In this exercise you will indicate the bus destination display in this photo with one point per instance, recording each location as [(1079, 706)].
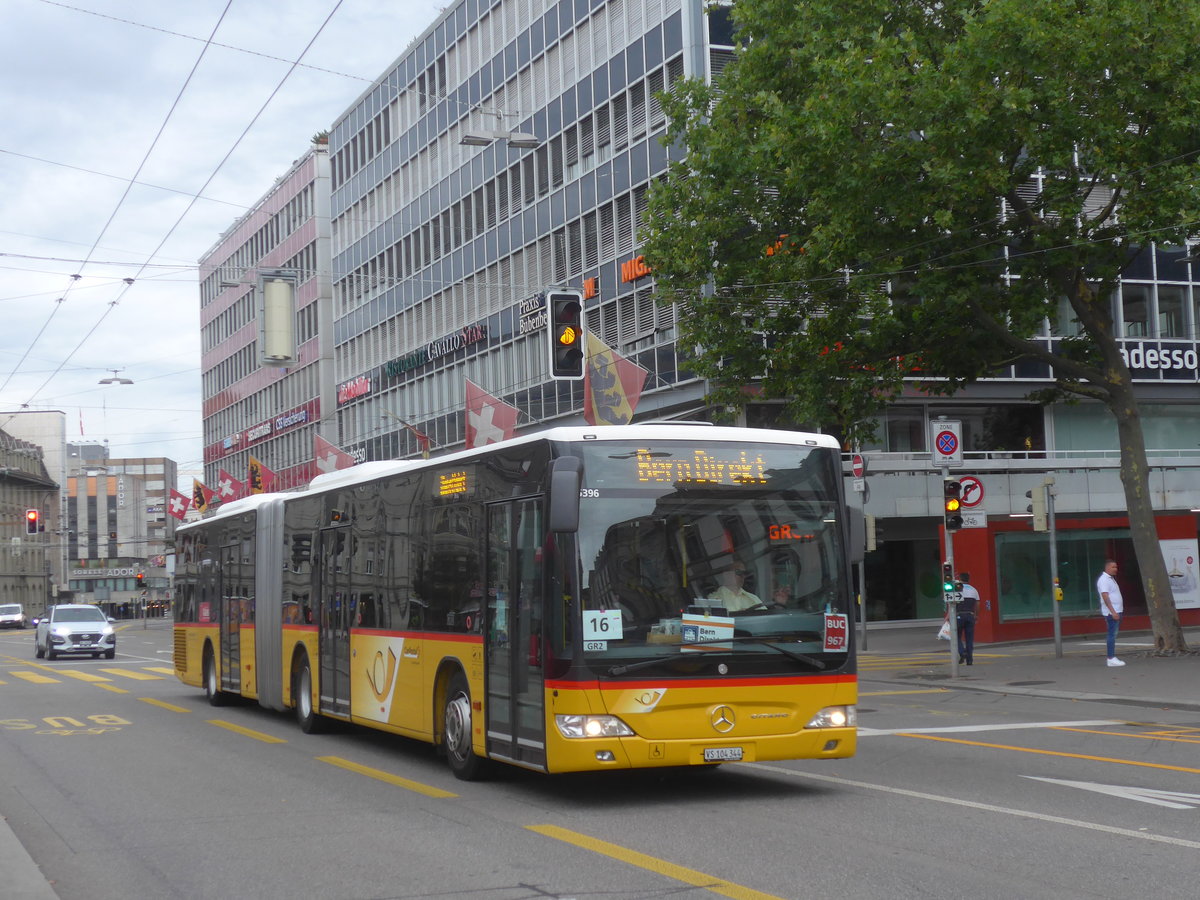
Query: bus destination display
[(730, 467)]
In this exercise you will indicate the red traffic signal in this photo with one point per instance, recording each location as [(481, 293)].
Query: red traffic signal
[(33, 521)]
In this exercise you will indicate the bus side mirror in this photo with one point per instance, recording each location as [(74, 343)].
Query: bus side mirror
[(566, 476)]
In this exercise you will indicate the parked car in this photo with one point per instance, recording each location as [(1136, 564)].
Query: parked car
[(75, 628), (12, 616)]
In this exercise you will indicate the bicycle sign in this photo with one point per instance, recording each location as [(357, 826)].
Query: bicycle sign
[(946, 442)]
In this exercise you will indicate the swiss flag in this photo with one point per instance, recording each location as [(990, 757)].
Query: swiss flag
[(178, 504), (488, 420), (228, 487), (330, 458)]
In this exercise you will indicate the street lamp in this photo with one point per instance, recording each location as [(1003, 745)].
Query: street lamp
[(115, 378), (522, 140)]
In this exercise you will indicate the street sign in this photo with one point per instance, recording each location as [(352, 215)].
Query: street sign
[(972, 491), (945, 442), (858, 466), (974, 518)]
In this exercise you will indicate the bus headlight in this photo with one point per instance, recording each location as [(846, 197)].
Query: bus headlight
[(592, 726), (834, 717)]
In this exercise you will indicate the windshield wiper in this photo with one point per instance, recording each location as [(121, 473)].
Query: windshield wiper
[(817, 664)]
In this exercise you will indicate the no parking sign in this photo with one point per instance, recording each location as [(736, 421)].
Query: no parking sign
[(945, 443)]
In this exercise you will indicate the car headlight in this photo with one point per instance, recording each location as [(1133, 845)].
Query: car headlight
[(106, 630), (592, 726), (835, 717)]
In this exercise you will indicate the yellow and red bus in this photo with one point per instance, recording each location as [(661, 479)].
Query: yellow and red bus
[(575, 599)]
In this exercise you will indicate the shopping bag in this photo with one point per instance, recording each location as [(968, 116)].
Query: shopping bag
[(944, 631)]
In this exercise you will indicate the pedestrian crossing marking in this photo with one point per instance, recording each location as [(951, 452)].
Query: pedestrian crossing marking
[(136, 676), (161, 669), (36, 678), (83, 676)]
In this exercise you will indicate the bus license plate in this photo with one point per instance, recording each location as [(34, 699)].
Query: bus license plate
[(722, 754)]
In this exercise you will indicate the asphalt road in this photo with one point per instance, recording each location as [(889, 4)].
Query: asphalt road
[(122, 783)]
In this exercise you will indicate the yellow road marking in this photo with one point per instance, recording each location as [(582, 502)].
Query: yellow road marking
[(36, 678), (894, 693), (113, 688), (136, 676), (380, 775), (171, 706), (652, 864), (82, 676), (1123, 762), (163, 669), (1152, 736), (257, 735)]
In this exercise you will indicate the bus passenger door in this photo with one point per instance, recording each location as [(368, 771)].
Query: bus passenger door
[(516, 698), (332, 609), (229, 611)]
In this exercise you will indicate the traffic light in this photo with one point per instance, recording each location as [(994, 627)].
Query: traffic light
[(1037, 506), (32, 521), (947, 577), (140, 577), (565, 312), (952, 491)]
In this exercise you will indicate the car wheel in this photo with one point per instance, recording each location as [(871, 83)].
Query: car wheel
[(110, 654), (309, 720), (212, 688), (51, 653), (456, 733), (95, 656), (37, 650)]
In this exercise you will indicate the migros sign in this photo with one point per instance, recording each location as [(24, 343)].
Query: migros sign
[(633, 269)]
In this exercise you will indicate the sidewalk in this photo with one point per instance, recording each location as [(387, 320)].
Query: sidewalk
[(907, 654)]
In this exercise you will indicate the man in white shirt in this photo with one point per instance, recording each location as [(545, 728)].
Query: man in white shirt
[(733, 596), (1111, 607)]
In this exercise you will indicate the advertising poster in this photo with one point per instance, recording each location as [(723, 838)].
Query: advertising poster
[(1181, 559)]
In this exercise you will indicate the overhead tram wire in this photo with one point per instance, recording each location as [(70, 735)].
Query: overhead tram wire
[(195, 197), (99, 237)]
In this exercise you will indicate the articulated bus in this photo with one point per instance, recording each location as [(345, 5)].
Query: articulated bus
[(576, 599)]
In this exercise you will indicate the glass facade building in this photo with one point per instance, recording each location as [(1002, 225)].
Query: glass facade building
[(442, 251)]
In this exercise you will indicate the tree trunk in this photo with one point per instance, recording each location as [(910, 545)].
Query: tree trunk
[(1135, 477)]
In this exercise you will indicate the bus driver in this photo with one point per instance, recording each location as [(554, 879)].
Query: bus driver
[(732, 594)]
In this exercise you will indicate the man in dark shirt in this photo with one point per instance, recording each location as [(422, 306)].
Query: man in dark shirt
[(968, 609)]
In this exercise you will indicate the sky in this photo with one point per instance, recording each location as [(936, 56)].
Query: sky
[(136, 132)]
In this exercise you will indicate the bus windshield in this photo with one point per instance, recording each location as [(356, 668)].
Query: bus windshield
[(695, 551)]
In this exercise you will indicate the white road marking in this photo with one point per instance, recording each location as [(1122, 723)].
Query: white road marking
[(986, 807), (1169, 799), (958, 729)]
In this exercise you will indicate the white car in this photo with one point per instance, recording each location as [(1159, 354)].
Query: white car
[(75, 628), (12, 616)]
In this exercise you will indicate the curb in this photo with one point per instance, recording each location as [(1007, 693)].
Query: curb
[(1156, 703)]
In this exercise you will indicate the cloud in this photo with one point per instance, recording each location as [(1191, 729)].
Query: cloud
[(102, 83)]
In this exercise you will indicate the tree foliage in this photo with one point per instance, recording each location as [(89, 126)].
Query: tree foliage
[(883, 190)]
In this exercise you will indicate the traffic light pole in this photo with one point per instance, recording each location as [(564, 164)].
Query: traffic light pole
[(1056, 589), (949, 597)]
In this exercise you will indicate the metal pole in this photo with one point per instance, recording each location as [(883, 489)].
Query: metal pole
[(862, 603), (1055, 590), (951, 605)]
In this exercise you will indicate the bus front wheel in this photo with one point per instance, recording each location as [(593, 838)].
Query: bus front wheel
[(212, 686), (456, 734), (309, 719)]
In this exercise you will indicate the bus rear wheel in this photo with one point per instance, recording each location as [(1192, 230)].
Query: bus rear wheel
[(307, 717), (212, 686), (456, 732)]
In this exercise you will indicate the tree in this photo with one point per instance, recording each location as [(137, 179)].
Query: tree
[(878, 191)]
